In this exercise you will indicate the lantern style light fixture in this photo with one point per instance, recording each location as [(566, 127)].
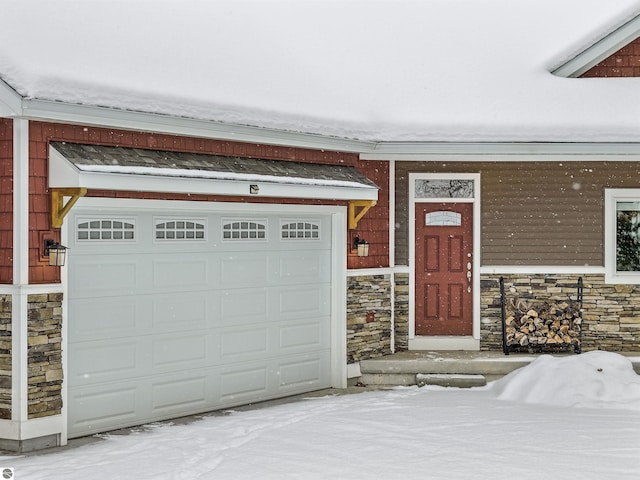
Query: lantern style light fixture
[(361, 246), (57, 253)]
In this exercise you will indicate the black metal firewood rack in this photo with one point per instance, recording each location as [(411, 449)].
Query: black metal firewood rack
[(513, 347)]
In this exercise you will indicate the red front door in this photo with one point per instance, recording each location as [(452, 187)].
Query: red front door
[(444, 248)]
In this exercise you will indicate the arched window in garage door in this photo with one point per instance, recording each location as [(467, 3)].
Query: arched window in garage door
[(105, 229)]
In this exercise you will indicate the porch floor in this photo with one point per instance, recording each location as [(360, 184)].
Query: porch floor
[(449, 368)]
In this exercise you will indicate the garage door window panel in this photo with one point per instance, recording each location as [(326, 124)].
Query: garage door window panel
[(105, 229), (300, 230), (244, 230), (180, 230)]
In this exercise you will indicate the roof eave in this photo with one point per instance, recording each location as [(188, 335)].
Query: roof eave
[(600, 50), (151, 122), (502, 151), (44, 110), (64, 174), (10, 101)]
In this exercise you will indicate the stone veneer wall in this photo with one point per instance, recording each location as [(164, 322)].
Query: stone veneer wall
[(401, 311), (368, 317), (44, 354), (5, 356), (611, 313)]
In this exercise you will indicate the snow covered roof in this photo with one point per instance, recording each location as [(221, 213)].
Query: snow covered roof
[(367, 70)]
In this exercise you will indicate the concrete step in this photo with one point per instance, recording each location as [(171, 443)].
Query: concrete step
[(450, 380), (422, 379), (448, 369), (387, 379), (444, 365), (441, 368)]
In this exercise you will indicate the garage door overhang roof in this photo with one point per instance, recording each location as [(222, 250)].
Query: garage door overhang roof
[(132, 169)]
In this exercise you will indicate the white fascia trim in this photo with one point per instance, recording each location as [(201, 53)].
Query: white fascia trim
[(191, 206), (514, 151), (364, 272), (353, 370), (20, 201), (34, 428), (339, 298), (45, 110), (540, 270), (194, 186), (611, 197), (392, 213), (35, 289), (10, 101), (19, 312), (597, 52), (401, 269), (150, 122), (63, 174)]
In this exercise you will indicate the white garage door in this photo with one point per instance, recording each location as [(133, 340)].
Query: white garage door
[(182, 312)]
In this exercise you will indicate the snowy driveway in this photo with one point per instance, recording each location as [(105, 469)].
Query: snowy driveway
[(505, 430)]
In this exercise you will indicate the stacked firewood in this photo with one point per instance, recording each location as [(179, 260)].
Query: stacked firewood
[(554, 324)]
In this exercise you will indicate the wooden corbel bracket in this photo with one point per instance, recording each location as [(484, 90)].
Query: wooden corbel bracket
[(58, 208), (355, 215)]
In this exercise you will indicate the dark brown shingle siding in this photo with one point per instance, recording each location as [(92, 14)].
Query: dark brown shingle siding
[(624, 63), (6, 200)]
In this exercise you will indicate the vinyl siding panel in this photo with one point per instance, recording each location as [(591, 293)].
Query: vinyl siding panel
[(533, 213)]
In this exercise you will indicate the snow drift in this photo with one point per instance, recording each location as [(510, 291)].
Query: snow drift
[(592, 380)]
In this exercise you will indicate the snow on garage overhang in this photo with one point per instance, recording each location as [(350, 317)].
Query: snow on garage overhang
[(133, 169)]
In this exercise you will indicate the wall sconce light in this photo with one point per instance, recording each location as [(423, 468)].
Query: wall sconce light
[(361, 246), (57, 253)]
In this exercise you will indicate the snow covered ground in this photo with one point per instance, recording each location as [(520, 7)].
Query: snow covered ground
[(560, 417)]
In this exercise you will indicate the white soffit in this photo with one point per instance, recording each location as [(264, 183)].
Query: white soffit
[(65, 174), (487, 151)]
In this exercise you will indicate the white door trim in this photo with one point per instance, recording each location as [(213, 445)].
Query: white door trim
[(445, 342)]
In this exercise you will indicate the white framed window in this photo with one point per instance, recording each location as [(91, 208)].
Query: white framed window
[(105, 229), (244, 230), (622, 235), (299, 230), (444, 188), (179, 229), (443, 219)]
